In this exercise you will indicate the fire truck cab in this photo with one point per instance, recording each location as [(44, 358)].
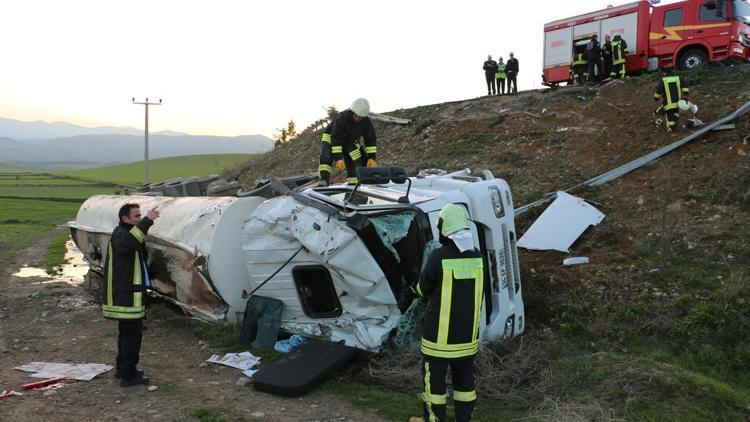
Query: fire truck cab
[(682, 34)]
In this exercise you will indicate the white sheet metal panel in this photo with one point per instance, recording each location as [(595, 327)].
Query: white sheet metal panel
[(277, 230), (561, 224), (558, 47), (598, 13), (626, 26), (586, 30)]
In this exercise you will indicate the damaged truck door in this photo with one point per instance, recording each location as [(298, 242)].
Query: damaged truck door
[(340, 259)]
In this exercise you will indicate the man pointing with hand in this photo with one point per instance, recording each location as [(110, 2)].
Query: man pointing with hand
[(126, 278)]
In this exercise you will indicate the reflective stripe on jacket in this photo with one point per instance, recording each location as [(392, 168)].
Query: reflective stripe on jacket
[(619, 51), (125, 267), (670, 90), (345, 134), (453, 283)]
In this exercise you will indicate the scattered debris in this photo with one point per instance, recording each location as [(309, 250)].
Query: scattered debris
[(243, 382), (74, 371), (9, 393), (152, 388), (561, 224), (286, 346), (730, 126), (532, 114), (242, 361), (389, 119), (576, 260), (614, 106)]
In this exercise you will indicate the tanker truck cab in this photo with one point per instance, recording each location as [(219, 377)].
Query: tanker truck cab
[(341, 259), (410, 211)]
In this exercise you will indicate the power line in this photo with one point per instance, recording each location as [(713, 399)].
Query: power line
[(145, 137)]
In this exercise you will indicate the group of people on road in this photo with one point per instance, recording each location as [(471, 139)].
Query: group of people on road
[(496, 73), (593, 62)]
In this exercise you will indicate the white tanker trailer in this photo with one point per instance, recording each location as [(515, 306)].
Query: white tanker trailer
[(341, 259)]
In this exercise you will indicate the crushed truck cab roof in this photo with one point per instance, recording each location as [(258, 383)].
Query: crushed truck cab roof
[(341, 260)]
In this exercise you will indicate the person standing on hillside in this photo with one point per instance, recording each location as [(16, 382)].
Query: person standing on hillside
[(500, 76), (342, 136), (594, 59), (670, 90), (619, 53), (578, 66), (452, 283), (125, 288), (490, 68), (511, 72), (607, 57)]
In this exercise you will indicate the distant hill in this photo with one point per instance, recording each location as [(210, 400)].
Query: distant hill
[(18, 129), (131, 174)]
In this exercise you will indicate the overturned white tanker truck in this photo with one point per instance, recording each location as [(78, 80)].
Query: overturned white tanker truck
[(340, 258)]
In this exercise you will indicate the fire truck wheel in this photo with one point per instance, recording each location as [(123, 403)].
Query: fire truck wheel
[(692, 59)]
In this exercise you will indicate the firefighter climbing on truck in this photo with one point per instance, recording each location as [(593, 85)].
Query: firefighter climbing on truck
[(341, 147)]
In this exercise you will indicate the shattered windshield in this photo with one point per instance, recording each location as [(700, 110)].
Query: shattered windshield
[(741, 10)]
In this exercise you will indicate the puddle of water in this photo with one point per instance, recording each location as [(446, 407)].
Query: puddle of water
[(72, 272)]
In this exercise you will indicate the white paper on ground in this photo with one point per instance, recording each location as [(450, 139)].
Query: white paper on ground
[(561, 224), (242, 361), (249, 372), (76, 371), (576, 260)]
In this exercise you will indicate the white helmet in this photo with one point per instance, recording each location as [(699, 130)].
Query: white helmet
[(361, 107), (683, 105)]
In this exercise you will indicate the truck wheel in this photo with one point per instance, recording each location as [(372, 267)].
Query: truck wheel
[(691, 59)]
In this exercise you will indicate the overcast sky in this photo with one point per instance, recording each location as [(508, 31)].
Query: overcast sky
[(246, 67)]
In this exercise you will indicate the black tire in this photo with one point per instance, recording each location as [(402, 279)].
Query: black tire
[(692, 59)]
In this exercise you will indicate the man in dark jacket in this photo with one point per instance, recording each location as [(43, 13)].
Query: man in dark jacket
[(346, 151), (607, 57), (594, 58), (125, 287), (490, 68), (511, 72), (453, 284)]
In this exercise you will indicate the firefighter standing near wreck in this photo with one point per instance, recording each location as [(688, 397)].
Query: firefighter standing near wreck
[(125, 289), (619, 53), (453, 283), (341, 147), (670, 90)]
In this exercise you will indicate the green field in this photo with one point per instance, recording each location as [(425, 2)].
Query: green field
[(131, 174), (32, 204)]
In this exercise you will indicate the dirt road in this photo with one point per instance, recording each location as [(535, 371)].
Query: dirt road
[(59, 322)]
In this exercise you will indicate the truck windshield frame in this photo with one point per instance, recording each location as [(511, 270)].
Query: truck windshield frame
[(741, 10)]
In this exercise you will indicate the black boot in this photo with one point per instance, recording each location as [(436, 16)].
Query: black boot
[(118, 375), (137, 380)]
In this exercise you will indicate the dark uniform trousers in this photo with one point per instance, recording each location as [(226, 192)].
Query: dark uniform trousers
[(490, 77), (129, 347), (462, 373)]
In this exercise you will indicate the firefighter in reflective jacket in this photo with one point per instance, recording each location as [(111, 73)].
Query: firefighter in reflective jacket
[(452, 283), (342, 137), (619, 53), (125, 288), (579, 67), (670, 90)]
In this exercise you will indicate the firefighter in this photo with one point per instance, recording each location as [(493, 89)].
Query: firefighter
[(607, 56), (490, 68), (619, 52), (500, 76), (579, 67), (594, 59), (452, 282), (346, 129), (511, 72), (670, 90), (125, 289), (325, 165)]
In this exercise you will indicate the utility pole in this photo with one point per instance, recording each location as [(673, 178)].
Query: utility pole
[(145, 138)]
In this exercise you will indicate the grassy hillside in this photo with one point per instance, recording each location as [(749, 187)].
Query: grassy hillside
[(131, 174), (657, 326)]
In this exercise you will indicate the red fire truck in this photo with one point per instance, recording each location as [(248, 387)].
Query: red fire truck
[(685, 34)]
